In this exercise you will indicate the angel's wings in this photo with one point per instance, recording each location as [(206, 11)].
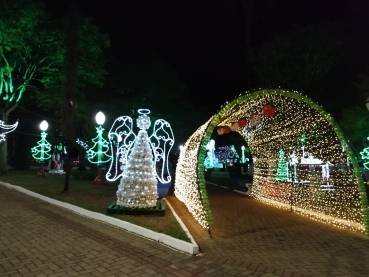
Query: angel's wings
[(162, 141), (121, 138)]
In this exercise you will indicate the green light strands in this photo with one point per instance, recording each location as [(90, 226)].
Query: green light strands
[(41, 151), (98, 153), (365, 156)]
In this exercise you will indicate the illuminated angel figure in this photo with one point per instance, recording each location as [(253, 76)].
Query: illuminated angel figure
[(139, 156), (122, 139), (7, 129)]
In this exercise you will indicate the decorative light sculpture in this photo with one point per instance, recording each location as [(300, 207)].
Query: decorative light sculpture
[(365, 156), (101, 155), (41, 151), (282, 171), (293, 162), (83, 144), (7, 129), (210, 160), (345, 206), (135, 159)]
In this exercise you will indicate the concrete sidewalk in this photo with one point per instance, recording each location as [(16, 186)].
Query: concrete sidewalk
[(43, 240)]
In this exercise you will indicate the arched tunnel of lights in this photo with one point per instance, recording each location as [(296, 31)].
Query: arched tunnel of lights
[(324, 180)]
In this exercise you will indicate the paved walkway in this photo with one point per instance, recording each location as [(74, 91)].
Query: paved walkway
[(247, 231), (249, 238), (39, 239)]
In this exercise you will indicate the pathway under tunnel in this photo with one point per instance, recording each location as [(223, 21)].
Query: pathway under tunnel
[(250, 233)]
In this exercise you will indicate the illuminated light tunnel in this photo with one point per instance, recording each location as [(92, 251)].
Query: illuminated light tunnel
[(301, 160)]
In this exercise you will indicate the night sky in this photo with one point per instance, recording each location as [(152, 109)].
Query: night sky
[(203, 39)]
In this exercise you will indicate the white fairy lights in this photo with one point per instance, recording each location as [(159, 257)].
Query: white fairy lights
[(7, 129), (137, 187), (136, 158), (187, 187), (122, 139), (345, 205)]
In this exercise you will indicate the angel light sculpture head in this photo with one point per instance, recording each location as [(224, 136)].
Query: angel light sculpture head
[(7, 129), (122, 138)]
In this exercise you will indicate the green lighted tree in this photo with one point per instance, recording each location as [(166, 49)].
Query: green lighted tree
[(282, 170), (32, 56), (98, 153), (41, 151)]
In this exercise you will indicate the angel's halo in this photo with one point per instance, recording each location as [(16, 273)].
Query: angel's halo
[(143, 111)]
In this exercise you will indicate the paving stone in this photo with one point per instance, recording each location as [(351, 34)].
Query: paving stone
[(249, 238)]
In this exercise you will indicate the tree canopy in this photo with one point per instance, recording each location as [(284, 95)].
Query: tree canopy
[(297, 60), (32, 56)]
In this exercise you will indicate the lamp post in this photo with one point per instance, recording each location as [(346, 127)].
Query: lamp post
[(40, 152), (100, 119), (101, 155)]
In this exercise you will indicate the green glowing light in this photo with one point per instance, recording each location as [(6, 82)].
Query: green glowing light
[(282, 171), (365, 156), (101, 155), (41, 151)]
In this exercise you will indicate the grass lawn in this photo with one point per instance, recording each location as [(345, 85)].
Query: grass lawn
[(83, 193)]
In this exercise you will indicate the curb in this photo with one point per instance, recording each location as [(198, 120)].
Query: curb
[(186, 247)]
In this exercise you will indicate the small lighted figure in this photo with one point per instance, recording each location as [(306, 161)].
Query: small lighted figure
[(210, 160), (293, 163), (5, 129), (41, 151)]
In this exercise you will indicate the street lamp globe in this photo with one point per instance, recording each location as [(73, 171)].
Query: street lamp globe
[(100, 118), (367, 103), (44, 125), (243, 147)]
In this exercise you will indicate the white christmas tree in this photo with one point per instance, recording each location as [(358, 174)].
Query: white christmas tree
[(138, 186)]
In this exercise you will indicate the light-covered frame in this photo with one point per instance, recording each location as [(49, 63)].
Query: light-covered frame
[(296, 115)]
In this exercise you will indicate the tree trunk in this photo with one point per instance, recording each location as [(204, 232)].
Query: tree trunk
[(82, 159), (68, 122), (4, 151), (3, 157), (67, 168)]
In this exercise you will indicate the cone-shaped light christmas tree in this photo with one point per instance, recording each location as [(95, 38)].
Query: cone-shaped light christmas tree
[(282, 170), (138, 186)]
